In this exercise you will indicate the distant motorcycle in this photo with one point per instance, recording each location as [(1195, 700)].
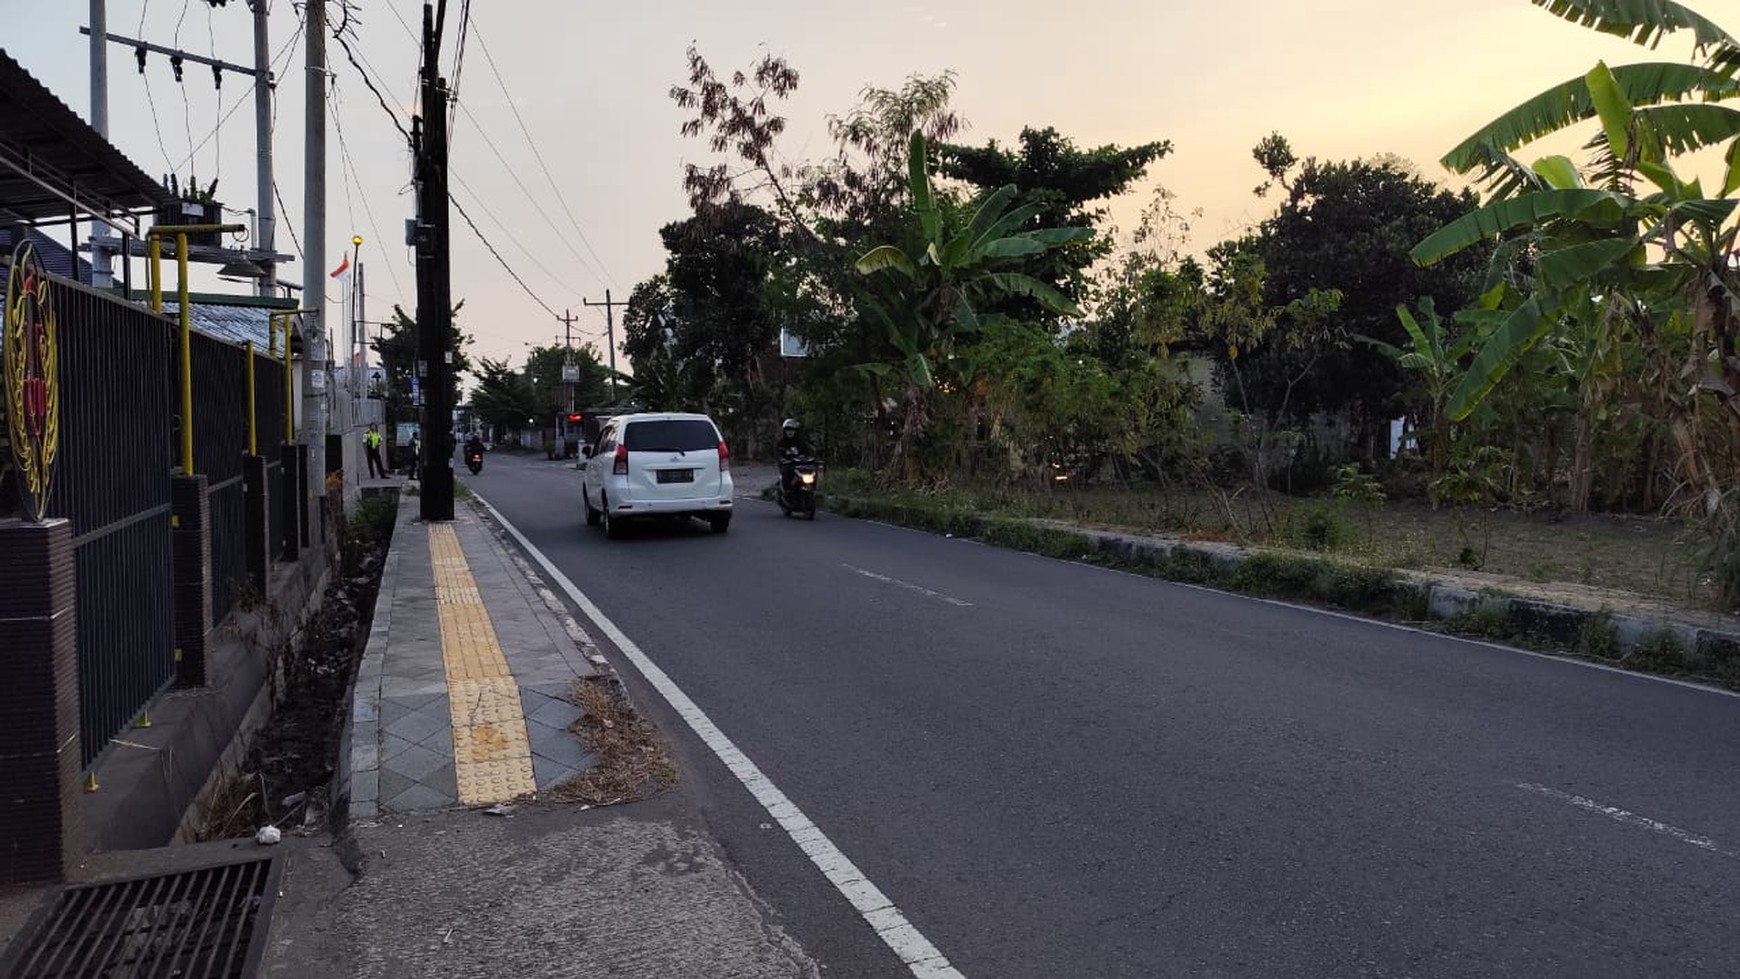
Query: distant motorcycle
[(801, 499), (474, 461)]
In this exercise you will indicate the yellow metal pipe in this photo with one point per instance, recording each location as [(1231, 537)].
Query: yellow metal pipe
[(253, 421), (186, 354), (156, 250)]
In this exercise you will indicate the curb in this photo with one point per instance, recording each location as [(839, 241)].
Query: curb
[(1655, 644), (356, 779)]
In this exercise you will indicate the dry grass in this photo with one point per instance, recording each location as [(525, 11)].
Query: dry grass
[(1654, 557), (631, 761)]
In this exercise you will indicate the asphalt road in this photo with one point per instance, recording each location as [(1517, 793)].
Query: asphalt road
[(1056, 770)]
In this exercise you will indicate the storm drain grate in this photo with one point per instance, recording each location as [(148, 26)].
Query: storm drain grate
[(197, 924)]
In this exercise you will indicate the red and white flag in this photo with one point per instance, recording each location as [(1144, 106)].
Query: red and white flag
[(342, 267)]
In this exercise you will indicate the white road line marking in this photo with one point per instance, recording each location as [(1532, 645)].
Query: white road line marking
[(939, 596), (916, 951), (1628, 817)]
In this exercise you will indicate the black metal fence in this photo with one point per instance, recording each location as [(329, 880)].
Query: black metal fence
[(118, 448), (111, 481)]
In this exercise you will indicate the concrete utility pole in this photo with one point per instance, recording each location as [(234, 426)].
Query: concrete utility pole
[(266, 217), (102, 273), (434, 367), (610, 332), (568, 356), (314, 358)]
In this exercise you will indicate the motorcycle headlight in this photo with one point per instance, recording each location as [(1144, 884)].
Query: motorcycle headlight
[(808, 478)]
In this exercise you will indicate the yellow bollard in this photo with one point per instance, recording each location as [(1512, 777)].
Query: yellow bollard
[(186, 354)]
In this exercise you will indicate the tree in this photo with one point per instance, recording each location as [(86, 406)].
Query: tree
[(966, 265), (505, 398), (1348, 227), (1632, 231), (544, 366), (1050, 172)]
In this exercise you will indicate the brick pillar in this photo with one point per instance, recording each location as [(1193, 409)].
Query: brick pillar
[(41, 833), (190, 509), (257, 527), (292, 513)]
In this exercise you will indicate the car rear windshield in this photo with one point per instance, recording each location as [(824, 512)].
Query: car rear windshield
[(671, 435)]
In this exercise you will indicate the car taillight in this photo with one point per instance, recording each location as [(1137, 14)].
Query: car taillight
[(724, 457), (621, 467)]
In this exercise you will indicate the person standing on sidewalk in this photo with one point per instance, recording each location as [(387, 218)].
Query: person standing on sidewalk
[(372, 449), (414, 449)]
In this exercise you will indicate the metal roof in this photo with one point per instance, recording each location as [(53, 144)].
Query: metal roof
[(234, 324), (49, 154)]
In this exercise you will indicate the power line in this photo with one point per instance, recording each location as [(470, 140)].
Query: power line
[(510, 269), (458, 65), (503, 225), (524, 131), (542, 211), (355, 177), (370, 83)]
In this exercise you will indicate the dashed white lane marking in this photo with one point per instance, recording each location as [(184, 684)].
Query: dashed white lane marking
[(889, 923), (939, 596), (1628, 817)]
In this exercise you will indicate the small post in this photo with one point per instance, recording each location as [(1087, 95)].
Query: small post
[(253, 412)]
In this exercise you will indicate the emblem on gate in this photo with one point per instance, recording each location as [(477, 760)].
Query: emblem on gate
[(29, 358)]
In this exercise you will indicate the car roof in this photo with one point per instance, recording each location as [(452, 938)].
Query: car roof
[(659, 416)]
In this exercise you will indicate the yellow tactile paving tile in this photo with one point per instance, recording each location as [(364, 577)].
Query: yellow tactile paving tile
[(492, 756)]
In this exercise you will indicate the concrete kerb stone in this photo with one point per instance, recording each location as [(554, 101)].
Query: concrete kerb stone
[(356, 782), (1560, 623)]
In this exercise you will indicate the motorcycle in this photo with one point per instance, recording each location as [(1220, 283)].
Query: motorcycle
[(802, 497), (474, 461)]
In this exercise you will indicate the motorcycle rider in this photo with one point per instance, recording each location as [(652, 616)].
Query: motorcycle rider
[(792, 446), (474, 446)]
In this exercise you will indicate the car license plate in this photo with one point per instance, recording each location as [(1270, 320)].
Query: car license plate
[(676, 475)]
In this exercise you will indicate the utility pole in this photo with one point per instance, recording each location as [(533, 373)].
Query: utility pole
[(265, 216), (434, 367), (610, 331), (102, 274), (314, 359), (568, 357)]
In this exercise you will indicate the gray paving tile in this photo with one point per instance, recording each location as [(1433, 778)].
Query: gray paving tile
[(398, 707), (443, 780), (420, 797), (365, 755), (550, 774), (558, 689), (364, 786), (416, 726), (555, 713), (416, 762), (406, 687), (392, 783), (568, 752)]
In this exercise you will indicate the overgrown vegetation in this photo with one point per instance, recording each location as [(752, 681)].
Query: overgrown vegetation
[(1562, 343), (288, 769), (630, 760)]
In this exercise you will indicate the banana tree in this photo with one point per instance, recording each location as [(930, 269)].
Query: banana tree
[(1435, 354), (1642, 234), (929, 302)]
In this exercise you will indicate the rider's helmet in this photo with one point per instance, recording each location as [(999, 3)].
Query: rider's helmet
[(789, 426)]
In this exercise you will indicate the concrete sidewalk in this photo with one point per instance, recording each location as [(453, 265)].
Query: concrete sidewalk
[(462, 700), (463, 693)]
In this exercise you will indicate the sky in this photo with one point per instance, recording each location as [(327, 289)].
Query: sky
[(589, 83)]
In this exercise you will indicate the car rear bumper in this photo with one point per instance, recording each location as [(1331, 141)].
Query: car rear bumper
[(653, 508)]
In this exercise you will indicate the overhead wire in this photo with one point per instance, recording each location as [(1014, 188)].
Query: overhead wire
[(150, 98), (538, 154), (365, 72), (458, 67), (353, 176), (492, 250), (503, 226)]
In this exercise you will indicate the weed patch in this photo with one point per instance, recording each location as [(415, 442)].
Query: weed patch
[(631, 762)]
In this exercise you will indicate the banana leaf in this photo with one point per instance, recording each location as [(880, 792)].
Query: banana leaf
[(1503, 348), (886, 257), (1645, 22), (1027, 285), (1598, 207), (1564, 267)]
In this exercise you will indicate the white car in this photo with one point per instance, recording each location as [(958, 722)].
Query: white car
[(657, 465)]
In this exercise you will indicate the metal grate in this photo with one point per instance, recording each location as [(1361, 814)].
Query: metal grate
[(202, 923)]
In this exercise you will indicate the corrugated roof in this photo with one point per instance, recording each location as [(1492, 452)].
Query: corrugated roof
[(233, 324), (43, 136), (54, 256)]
